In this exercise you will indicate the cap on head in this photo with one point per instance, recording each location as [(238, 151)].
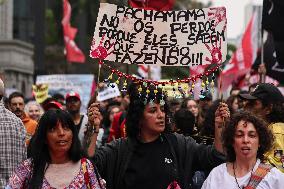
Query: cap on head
[(265, 91), (2, 88), (53, 104), (72, 94)]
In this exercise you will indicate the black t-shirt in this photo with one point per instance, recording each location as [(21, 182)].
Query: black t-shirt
[(78, 126), (151, 166)]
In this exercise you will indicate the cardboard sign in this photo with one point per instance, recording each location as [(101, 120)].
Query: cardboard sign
[(41, 92), (164, 38), (108, 93)]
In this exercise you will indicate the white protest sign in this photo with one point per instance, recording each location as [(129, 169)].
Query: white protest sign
[(164, 38), (81, 83), (108, 93)]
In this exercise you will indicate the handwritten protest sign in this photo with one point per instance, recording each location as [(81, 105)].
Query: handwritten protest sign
[(81, 83), (41, 92), (108, 92), (164, 38)]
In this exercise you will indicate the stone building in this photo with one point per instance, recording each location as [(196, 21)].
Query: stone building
[(16, 49)]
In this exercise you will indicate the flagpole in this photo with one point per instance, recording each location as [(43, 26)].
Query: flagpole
[(261, 67), (66, 67), (98, 79), (221, 93), (220, 86), (91, 128)]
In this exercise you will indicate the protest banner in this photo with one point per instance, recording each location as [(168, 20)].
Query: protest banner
[(175, 90), (164, 38), (108, 92), (40, 92), (81, 83)]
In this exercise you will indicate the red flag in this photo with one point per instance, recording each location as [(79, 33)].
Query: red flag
[(143, 71), (158, 5), (73, 53), (244, 56)]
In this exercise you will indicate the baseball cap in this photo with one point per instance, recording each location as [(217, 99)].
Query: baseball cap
[(72, 94), (53, 104), (265, 91)]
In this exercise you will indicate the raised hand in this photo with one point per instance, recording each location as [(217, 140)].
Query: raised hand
[(222, 114), (94, 116)]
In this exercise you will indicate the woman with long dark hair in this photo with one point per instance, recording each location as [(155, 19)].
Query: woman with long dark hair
[(56, 159), (152, 156)]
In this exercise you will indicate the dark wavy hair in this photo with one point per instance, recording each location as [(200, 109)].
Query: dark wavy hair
[(184, 121), (207, 127), (265, 136), (138, 101), (277, 111), (14, 95), (185, 101), (38, 148)]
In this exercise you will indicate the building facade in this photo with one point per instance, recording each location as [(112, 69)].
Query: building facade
[(16, 49)]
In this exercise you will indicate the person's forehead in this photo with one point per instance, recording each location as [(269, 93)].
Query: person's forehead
[(245, 125), (17, 99), (256, 102), (191, 102), (33, 107), (153, 105), (72, 98)]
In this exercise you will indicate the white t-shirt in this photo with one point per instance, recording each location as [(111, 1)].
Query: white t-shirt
[(219, 178), (83, 128)]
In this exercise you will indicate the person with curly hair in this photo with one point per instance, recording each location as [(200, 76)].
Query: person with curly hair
[(56, 159), (246, 139), (152, 156)]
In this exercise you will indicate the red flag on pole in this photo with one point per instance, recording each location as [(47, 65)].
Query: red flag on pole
[(244, 56), (73, 53)]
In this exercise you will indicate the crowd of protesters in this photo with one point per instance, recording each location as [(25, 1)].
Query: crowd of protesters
[(143, 140)]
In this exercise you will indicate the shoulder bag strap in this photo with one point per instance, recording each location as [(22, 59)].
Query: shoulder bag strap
[(85, 172), (258, 175)]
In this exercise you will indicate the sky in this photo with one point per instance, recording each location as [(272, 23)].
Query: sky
[(235, 14)]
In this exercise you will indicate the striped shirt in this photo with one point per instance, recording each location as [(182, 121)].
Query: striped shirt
[(12, 143)]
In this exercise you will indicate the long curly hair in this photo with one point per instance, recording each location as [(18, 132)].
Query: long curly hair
[(265, 136), (39, 152), (140, 96)]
